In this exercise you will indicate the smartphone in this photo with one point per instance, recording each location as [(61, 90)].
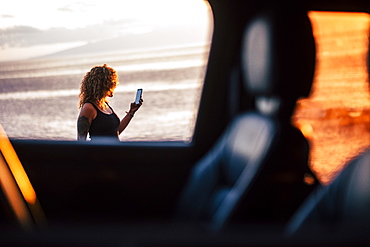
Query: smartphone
[(139, 93)]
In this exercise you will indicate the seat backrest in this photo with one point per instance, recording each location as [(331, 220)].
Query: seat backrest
[(341, 209), (222, 177), (278, 63)]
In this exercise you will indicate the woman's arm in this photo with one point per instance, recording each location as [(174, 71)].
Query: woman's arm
[(87, 114), (130, 114)]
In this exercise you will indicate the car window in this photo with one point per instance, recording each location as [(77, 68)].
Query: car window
[(159, 46), (336, 116)]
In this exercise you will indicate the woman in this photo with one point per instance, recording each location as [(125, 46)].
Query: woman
[(96, 116)]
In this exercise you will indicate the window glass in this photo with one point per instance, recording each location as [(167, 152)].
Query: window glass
[(160, 46), (336, 116)]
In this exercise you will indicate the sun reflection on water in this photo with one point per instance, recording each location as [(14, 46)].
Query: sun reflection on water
[(336, 117)]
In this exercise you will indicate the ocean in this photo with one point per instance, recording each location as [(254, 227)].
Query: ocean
[(39, 97)]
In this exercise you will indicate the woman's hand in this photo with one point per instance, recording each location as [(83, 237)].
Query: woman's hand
[(130, 114), (134, 107)]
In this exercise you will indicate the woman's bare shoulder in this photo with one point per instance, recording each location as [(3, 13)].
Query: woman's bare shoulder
[(88, 105), (88, 110)]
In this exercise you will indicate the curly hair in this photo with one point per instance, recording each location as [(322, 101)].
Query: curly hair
[(96, 84)]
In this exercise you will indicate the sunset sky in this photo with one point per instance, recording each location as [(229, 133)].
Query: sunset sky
[(30, 28)]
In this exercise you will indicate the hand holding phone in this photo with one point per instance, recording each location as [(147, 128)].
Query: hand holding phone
[(139, 93)]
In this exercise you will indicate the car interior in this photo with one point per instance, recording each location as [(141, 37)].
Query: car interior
[(244, 179)]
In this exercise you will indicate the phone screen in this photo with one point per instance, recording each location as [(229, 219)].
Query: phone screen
[(138, 95)]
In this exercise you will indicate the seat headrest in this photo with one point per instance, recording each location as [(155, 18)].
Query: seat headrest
[(278, 54)]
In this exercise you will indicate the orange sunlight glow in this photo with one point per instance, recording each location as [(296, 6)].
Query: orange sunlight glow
[(336, 116), (13, 179), (15, 200), (16, 168)]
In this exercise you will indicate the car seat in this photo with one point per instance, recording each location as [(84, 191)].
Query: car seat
[(340, 210), (256, 169)]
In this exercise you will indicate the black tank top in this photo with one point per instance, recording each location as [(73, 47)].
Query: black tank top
[(104, 125)]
